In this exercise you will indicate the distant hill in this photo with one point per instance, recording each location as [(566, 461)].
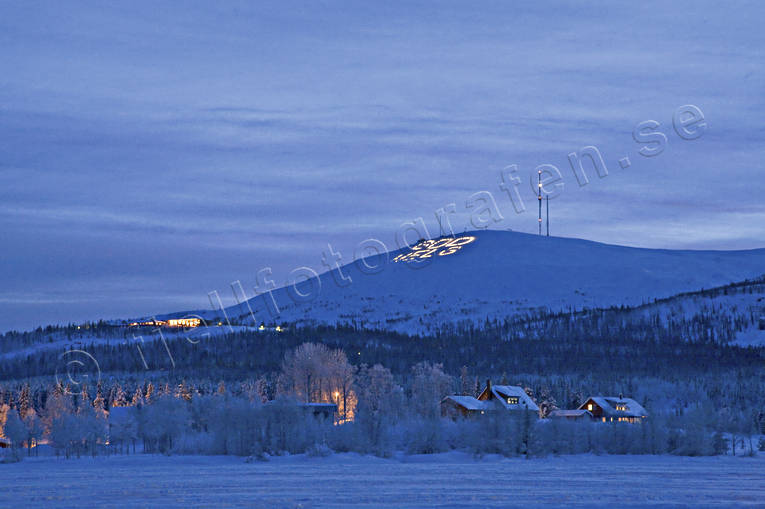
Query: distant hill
[(497, 274)]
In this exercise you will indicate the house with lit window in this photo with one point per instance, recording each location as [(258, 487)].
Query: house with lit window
[(509, 397), (614, 409), (494, 398)]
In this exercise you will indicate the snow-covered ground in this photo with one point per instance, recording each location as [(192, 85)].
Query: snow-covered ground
[(349, 480), (499, 274)]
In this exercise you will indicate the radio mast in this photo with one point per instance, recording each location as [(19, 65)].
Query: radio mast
[(547, 214), (539, 199)]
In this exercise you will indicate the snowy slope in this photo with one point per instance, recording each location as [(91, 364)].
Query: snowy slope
[(497, 275), (730, 314)]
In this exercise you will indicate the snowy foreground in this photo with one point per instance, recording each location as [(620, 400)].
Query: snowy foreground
[(349, 480)]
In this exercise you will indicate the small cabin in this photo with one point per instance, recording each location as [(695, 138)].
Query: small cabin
[(463, 406), (614, 409)]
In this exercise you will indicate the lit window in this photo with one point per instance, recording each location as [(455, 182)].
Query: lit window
[(589, 407), (512, 400)]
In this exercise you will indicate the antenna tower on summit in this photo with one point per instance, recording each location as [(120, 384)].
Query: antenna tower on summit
[(539, 199)]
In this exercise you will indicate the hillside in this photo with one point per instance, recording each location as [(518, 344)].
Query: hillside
[(499, 274)]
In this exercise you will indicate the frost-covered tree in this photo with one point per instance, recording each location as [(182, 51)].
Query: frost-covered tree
[(92, 429), (546, 403), (466, 383), (120, 399), (99, 405), (34, 429), (4, 408), (58, 405), (162, 422), (24, 400), (183, 391), (137, 397), (381, 402), (314, 373), (429, 386), (15, 431)]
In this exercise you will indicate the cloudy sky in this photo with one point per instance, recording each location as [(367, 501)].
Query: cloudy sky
[(153, 152)]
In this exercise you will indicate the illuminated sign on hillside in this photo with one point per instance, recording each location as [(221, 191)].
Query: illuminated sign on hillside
[(434, 248)]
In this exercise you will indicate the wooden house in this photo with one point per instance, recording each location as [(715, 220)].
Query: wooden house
[(614, 409), (508, 397), (463, 406), (494, 398)]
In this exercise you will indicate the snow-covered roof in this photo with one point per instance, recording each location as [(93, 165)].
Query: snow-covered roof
[(609, 404), (503, 392), (569, 413), (468, 402)]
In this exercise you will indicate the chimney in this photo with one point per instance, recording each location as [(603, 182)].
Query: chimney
[(488, 388), (621, 396)]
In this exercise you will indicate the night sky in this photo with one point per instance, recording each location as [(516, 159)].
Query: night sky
[(153, 152)]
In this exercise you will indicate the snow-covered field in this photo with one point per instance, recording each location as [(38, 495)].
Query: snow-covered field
[(348, 480)]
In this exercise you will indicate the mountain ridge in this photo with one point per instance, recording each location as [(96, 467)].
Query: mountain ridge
[(497, 274)]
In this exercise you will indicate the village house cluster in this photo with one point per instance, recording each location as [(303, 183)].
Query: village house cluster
[(511, 398)]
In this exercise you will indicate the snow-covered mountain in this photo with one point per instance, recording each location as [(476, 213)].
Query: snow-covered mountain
[(496, 274)]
